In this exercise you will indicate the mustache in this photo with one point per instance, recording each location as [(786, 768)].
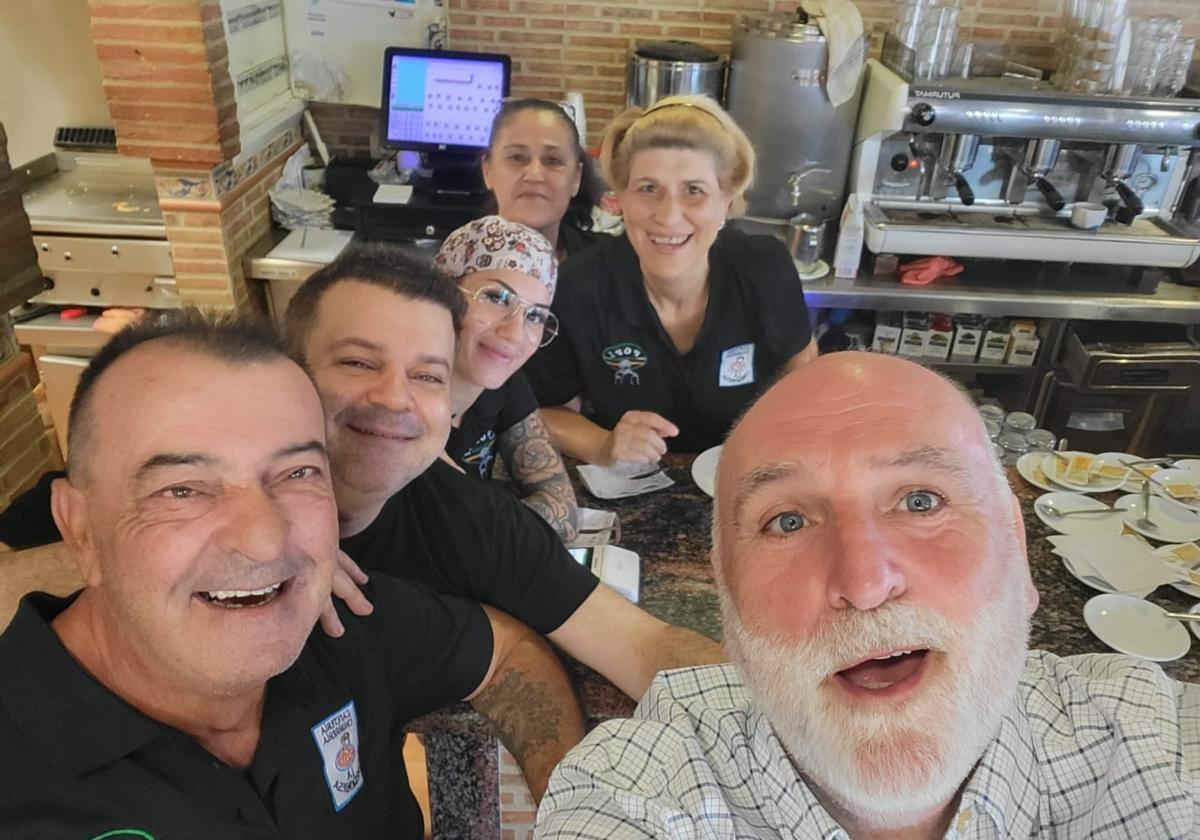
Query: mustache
[(241, 572), (851, 636), (402, 424)]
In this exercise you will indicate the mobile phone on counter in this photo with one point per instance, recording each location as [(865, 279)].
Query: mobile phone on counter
[(618, 567)]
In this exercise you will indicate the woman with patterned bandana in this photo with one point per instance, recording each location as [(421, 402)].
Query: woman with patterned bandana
[(507, 272)]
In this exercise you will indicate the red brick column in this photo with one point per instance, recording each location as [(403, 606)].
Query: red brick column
[(166, 77)]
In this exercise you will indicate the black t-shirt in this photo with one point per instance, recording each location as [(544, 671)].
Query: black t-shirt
[(27, 522), (574, 239), (473, 539), (473, 444), (82, 763), (613, 351)]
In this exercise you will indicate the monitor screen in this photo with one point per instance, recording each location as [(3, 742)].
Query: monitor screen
[(437, 100)]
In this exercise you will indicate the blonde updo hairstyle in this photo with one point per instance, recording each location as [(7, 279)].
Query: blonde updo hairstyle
[(681, 122)]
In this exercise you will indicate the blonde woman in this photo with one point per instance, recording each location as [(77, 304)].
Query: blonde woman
[(669, 331)]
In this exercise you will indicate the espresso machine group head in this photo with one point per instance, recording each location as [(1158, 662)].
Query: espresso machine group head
[(992, 167)]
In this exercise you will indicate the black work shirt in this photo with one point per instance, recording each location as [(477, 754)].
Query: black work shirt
[(473, 539), (472, 444), (81, 763), (613, 351), (574, 239), (27, 521)]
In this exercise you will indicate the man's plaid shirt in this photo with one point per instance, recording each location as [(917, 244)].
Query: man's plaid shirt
[(1097, 746)]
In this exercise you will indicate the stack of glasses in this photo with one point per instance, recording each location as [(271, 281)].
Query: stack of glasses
[(1103, 51), (1094, 46), (925, 31), (1159, 58)]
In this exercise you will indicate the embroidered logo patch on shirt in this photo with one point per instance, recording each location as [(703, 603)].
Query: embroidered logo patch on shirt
[(625, 359), (481, 453), (737, 366), (337, 741)]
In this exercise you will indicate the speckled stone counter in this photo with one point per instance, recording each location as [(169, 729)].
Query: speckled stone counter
[(669, 530)]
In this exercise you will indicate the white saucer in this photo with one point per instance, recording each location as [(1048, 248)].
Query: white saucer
[(1135, 627), (1066, 501), (1186, 588), (818, 270), (1192, 464), (1029, 466), (1174, 523), (1176, 476), (1056, 470), (704, 469)]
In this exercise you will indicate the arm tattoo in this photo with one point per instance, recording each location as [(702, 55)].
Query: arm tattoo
[(522, 716), (540, 474)]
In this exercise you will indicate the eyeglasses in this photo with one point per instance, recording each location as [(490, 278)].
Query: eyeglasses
[(495, 302)]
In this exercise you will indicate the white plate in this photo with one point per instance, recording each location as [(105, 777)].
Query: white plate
[(1029, 466), (1173, 522), (1175, 475), (704, 469), (1186, 588), (1093, 581), (1192, 464), (1136, 627), (1194, 626), (1066, 501), (1133, 484), (1056, 470)]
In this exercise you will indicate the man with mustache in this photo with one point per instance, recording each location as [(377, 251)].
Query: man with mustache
[(870, 559), (376, 330), (183, 692)]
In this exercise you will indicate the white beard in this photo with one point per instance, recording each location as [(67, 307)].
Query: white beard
[(888, 767)]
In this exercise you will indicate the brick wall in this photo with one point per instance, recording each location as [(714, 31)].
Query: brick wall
[(166, 78)]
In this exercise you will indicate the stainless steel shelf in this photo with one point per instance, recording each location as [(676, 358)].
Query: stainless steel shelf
[(1170, 302)]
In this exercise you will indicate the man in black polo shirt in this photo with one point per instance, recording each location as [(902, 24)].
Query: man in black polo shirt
[(182, 692), (369, 326)]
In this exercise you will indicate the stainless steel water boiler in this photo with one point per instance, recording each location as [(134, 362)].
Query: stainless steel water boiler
[(668, 68), (776, 93)]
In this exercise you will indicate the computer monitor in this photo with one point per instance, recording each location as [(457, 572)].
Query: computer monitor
[(441, 101)]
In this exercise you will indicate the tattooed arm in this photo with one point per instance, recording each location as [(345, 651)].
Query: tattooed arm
[(528, 700), (539, 472)]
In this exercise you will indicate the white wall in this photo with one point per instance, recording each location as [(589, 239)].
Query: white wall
[(49, 74)]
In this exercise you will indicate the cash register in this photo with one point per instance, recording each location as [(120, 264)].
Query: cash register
[(437, 106)]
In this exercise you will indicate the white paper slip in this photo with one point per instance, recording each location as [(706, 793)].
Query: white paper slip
[(1125, 563), (623, 480), (393, 194), (595, 527)]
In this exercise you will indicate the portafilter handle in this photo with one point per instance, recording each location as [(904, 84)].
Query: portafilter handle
[(1041, 156), (958, 156), (1053, 197)]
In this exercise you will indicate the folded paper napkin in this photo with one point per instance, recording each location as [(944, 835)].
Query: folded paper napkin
[(596, 527), (1126, 563), (623, 480)]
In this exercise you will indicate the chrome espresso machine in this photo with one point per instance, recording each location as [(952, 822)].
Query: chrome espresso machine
[(1016, 169)]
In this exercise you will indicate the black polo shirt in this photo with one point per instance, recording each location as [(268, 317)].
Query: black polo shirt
[(80, 763), (472, 539), (472, 443), (613, 351)]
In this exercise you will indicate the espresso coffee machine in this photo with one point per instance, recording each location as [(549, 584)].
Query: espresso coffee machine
[(1016, 169)]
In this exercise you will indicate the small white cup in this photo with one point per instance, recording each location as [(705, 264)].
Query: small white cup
[(1088, 216)]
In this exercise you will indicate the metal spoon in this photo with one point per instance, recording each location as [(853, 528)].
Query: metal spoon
[(1055, 513), (1182, 616)]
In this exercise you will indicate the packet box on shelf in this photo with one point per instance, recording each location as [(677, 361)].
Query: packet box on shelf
[(938, 341), (967, 338), (886, 338), (1022, 350), (995, 345), (914, 336)]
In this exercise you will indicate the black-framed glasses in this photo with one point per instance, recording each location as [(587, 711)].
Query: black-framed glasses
[(495, 301)]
